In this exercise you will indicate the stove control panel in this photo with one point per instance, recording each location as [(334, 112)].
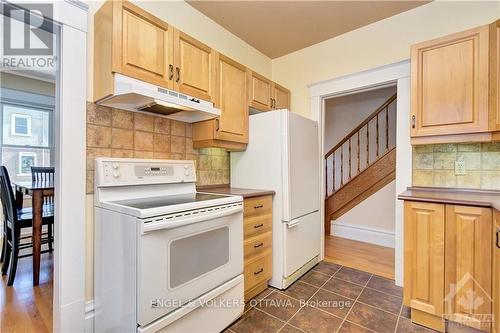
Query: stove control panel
[(118, 171)]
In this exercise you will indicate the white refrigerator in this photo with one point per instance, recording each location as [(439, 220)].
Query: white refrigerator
[(283, 155)]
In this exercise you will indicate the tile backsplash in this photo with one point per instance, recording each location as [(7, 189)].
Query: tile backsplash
[(434, 165), (117, 133)]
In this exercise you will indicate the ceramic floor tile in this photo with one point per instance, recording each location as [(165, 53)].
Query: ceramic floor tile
[(348, 327), (332, 303), (326, 267), (301, 291), (353, 275), (255, 321), (406, 326), (372, 318), (290, 329), (343, 288), (385, 285), (381, 300), (312, 320), (279, 305), (315, 278), (405, 312)]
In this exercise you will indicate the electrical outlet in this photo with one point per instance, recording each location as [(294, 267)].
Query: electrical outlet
[(460, 168)]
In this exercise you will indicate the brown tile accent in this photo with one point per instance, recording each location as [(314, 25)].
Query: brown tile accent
[(353, 275), (311, 320), (372, 318), (122, 153), (98, 136), (327, 267), (300, 291), (406, 326), (143, 141), (385, 285), (122, 138), (263, 294), (90, 181), (98, 115), (122, 119), (161, 143), (178, 128), (330, 302), (178, 144), (93, 153), (343, 288), (348, 327), (120, 133), (162, 125), (315, 278), (279, 306), (381, 301), (255, 321)]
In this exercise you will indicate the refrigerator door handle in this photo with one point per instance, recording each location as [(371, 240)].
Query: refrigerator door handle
[(293, 223)]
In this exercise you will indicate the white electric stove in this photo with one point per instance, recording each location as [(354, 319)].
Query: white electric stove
[(167, 258)]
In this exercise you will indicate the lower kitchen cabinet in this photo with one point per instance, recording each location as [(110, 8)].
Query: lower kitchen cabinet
[(258, 219), (449, 276)]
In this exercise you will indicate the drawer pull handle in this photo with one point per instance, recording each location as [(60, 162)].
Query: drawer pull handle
[(260, 244), (258, 272), (498, 238), (257, 226), (258, 206)]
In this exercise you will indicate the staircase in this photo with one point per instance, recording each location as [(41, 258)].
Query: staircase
[(362, 163)]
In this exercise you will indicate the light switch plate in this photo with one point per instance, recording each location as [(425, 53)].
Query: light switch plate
[(460, 168)]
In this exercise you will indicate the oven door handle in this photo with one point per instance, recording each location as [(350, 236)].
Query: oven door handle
[(162, 225)]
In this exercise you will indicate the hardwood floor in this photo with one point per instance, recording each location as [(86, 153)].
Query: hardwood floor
[(370, 258), (23, 307)]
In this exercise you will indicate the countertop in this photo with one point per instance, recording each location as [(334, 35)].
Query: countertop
[(244, 192), (481, 198)]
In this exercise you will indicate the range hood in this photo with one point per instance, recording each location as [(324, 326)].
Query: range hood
[(135, 95)]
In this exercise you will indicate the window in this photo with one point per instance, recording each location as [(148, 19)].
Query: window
[(26, 161), (20, 124)]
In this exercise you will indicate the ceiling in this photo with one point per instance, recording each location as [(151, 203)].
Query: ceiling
[(277, 28)]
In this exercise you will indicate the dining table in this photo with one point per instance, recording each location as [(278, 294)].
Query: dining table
[(37, 190)]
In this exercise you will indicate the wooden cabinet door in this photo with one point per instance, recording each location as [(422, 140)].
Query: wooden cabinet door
[(281, 97), (496, 272), (194, 67), (142, 45), (260, 92), (495, 74), (449, 84), (232, 101), (468, 297), (424, 256)]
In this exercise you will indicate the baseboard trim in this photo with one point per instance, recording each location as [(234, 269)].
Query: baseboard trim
[(364, 234), (89, 316)]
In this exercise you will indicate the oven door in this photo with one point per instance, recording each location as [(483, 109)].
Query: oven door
[(182, 257)]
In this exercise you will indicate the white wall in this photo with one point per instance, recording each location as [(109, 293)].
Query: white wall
[(372, 221), (381, 43)]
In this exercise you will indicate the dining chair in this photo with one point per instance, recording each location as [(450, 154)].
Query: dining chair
[(17, 219), (42, 174)]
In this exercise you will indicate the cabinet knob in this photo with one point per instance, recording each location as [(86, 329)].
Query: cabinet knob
[(217, 124), (178, 71), (259, 271), (413, 121), (498, 237), (170, 72)]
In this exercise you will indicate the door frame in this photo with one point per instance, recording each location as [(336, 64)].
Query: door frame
[(69, 160), (393, 74)]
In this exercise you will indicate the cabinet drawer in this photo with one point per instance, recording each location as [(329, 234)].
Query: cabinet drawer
[(258, 270), (256, 225), (257, 245), (258, 205)]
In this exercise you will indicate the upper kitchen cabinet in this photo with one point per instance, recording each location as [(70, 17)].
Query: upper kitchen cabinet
[(281, 97), (452, 89), (132, 42), (260, 92), (496, 272), (194, 67), (230, 130)]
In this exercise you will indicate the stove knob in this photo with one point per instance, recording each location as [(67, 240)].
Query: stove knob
[(186, 173), (114, 166), (116, 175), (186, 167)]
